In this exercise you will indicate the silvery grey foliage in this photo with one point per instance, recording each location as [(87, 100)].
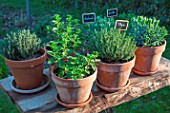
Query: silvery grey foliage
[(20, 45)]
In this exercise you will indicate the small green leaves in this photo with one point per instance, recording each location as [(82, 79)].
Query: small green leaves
[(111, 46), (21, 45), (71, 64), (147, 31), (61, 73), (51, 60)]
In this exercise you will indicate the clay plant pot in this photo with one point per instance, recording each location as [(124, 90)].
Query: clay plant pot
[(113, 77), (28, 73), (147, 59), (73, 93)]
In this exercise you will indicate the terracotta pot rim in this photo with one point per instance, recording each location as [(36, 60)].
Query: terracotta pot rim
[(70, 80), (24, 61), (119, 64), (73, 105), (153, 46)]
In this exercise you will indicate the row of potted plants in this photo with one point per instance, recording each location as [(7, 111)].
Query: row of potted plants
[(77, 61)]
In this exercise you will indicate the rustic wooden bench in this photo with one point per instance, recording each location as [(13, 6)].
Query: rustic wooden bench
[(44, 101)]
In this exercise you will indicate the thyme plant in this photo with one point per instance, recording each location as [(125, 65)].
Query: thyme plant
[(20, 45), (147, 31), (65, 50)]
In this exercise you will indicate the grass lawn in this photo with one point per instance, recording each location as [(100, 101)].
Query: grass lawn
[(6, 105), (156, 102)]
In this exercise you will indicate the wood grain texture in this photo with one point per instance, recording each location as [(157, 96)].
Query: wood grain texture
[(45, 100)]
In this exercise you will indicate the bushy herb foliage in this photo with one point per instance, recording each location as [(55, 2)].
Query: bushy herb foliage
[(65, 50), (112, 46), (147, 31), (101, 23), (20, 45), (125, 16)]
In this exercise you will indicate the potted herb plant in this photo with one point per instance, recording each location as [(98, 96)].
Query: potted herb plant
[(151, 44), (72, 72), (116, 52), (24, 56)]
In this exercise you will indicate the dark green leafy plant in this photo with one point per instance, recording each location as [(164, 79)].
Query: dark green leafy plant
[(101, 23), (125, 16), (112, 46), (21, 45), (147, 31), (3, 68), (65, 50), (40, 29)]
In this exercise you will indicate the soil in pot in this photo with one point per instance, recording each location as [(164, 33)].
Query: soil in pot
[(114, 76), (73, 91), (147, 59), (28, 73)]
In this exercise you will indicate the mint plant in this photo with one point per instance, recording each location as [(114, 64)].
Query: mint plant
[(65, 50), (111, 46), (147, 31), (20, 45)]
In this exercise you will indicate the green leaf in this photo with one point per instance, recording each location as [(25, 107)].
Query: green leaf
[(61, 73), (51, 61)]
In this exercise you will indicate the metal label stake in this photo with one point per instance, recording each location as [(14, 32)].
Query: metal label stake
[(28, 14)]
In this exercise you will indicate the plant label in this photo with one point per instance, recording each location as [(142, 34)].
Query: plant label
[(88, 17), (121, 24), (112, 12)]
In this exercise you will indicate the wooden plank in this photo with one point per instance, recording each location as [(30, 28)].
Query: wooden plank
[(45, 100)]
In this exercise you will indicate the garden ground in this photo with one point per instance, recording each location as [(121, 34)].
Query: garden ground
[(13, 16)]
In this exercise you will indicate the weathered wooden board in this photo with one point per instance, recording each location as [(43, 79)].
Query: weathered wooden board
[(45, 100)]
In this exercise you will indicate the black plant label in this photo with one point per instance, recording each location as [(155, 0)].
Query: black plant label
[(88, 17), (121, 24), (112, 12)]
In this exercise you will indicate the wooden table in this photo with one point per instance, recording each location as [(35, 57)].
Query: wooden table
[(45, 100)]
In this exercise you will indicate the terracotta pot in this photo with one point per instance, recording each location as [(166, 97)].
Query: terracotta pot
[(28, 73), (73, 91), (147, 59), (114, 76)]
